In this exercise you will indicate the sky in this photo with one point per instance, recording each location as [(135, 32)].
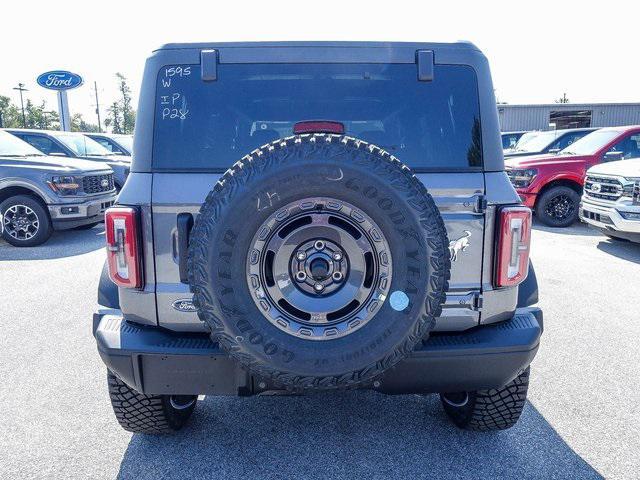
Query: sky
[(537, 50)]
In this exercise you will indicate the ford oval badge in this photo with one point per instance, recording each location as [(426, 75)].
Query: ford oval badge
[(184, 305), (59, 80)]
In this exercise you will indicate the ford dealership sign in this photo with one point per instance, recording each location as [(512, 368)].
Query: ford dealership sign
[(59, 80)]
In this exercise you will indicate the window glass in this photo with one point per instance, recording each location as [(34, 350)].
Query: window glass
[(568, 139), (106, 143), (591, 143), (11, 145), (81, 145), (126, 141), (628, 147), (44, 144), (211, 125), (538, 142)]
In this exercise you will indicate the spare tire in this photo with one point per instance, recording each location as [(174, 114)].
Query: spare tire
[(319, 261)]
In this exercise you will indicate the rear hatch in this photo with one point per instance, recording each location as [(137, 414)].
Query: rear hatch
[(208, 117)]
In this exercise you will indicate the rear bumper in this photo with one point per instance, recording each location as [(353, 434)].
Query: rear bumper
[(155, 361)]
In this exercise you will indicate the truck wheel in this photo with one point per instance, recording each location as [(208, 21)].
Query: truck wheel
[(485, 410), (318, 262), (558, 206), (139, 413), (25, 221)]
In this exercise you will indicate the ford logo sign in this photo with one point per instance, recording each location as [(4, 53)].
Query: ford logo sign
[(184, 305), (59, 80)]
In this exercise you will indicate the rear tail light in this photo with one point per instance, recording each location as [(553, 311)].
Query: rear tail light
[(123, 246), (513, 246), (318, 126)]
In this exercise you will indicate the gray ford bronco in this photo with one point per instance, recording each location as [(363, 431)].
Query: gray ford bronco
[(40, 194), (312, 216)]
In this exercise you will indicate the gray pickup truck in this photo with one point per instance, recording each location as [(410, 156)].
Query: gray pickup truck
[(39, 194), (312, 216), (76, 145)]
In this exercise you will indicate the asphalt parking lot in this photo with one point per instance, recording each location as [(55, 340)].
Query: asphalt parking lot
[(582, 420)]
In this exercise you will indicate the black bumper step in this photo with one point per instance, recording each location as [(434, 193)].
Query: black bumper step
[(158, 361)]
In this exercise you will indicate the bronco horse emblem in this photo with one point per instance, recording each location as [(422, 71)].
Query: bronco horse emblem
[(459, 245)]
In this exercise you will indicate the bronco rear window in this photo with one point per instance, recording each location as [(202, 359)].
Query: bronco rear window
[(208, 126)]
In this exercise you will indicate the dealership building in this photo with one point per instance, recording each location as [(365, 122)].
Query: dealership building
[(567, 115)]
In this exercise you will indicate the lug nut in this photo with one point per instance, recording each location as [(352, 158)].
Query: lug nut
[(318, 287), (337, 276), (301, 276), (301, 255), (319, 245), (337, 256)]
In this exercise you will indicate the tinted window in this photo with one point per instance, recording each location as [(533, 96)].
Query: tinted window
[(509, 140), (44, 144), (568, 139), (105, 143), (537, 143), (126, 142), (11, 145), (81, 145), (629, 147), (591, 143), (211, 125)]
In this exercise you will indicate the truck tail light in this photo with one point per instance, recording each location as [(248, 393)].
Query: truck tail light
[(513, 246), (123, 246)]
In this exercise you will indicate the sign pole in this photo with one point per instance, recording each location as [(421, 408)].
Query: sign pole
[(63, 110)]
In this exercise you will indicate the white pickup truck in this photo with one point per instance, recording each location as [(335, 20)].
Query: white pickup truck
[(611, 199)]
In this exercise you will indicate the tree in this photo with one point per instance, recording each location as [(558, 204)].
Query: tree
[(79, 125), (128, 115), (114, 119), (39, 117), (10, 116), (121, 116)]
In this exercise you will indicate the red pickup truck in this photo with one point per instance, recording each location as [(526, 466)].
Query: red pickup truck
[(551, 185)]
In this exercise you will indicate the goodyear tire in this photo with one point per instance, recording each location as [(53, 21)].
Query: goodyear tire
[(488, 410), (319, 261), (152, 414)]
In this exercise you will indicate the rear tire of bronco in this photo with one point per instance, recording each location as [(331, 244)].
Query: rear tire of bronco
[(558, 206), (486, 410), (140, 413), (319, 262)]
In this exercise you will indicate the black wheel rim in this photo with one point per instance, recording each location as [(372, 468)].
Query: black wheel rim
[(319, 268), (560, 207), (20, 222)]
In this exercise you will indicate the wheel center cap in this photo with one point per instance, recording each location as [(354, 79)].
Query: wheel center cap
[(319, 269), (319, 266)]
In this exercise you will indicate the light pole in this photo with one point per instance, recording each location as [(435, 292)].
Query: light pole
[(21, 89), (95, 88)]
